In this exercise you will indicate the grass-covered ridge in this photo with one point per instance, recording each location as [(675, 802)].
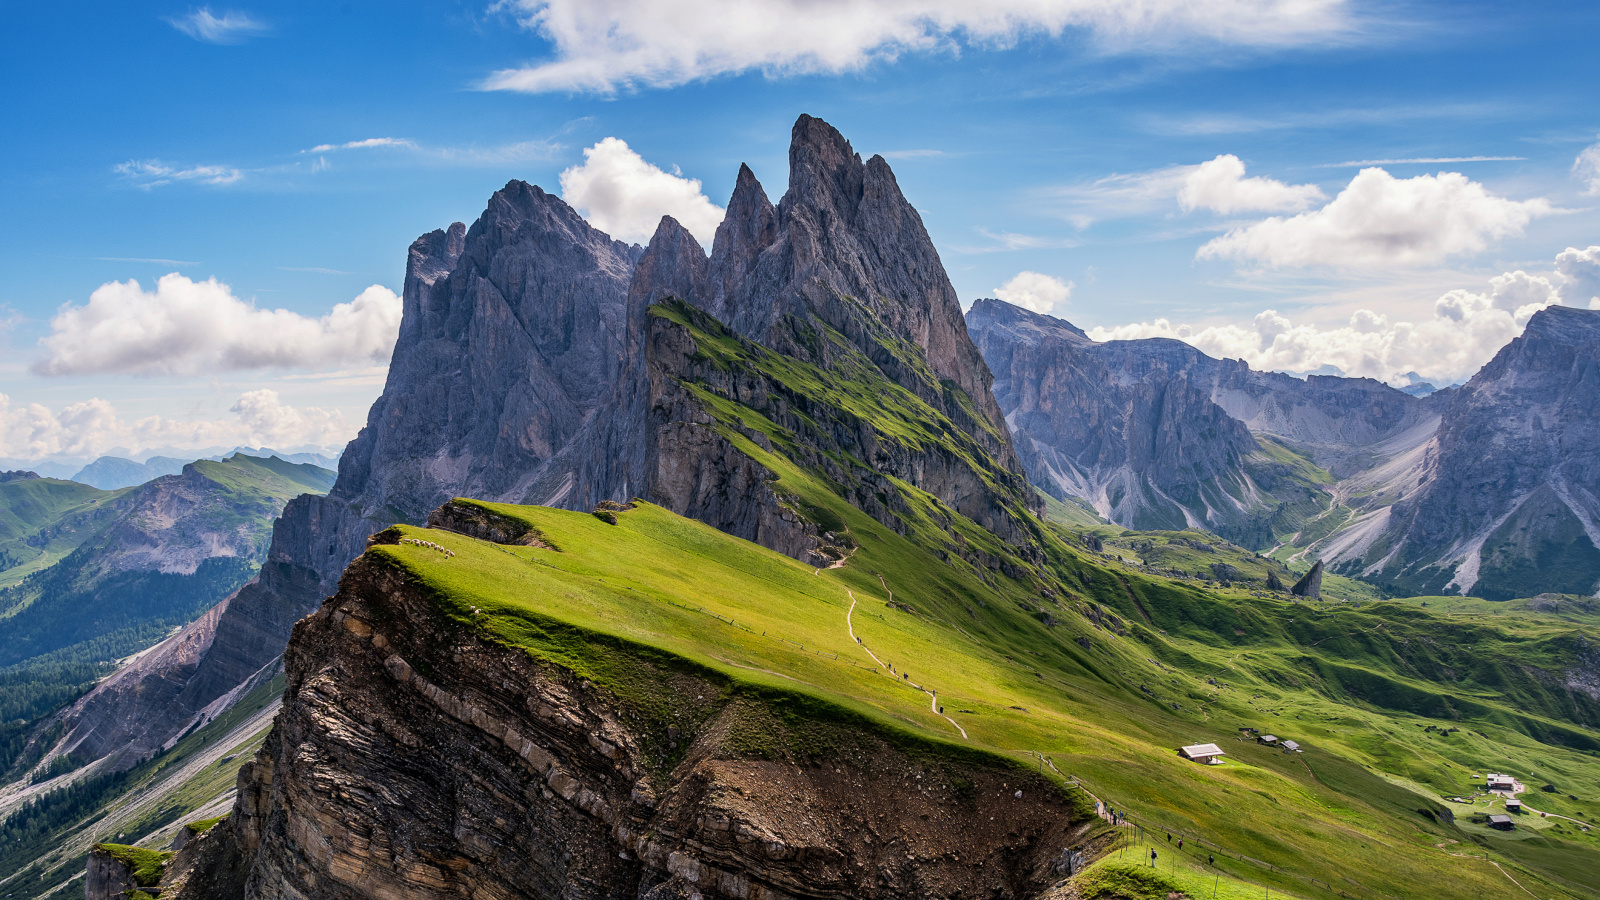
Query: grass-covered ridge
[(1166, 665)]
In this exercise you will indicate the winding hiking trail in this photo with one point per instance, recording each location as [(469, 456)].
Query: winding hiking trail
[(933, 696)]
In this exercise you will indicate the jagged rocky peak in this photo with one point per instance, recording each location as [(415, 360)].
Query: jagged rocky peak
[(514, 334), (843, 245), (1508, 507)]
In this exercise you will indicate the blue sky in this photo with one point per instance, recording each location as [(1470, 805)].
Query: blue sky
[(1139, 161)]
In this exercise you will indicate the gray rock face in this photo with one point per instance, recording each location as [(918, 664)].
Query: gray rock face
[(108, 878), (1510, 503), (1309, 586), (841, 266), (844, 246), (1157, 435), (512, 336)]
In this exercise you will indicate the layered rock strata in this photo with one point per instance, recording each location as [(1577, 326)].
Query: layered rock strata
[(413, 759)]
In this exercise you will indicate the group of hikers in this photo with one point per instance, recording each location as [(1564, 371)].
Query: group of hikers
[(1117, 819)]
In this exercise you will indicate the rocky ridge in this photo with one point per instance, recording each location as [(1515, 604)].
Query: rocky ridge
[(557, 787)]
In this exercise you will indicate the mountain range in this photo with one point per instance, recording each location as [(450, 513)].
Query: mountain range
[(754, 596), (1488, 488), (93, 576)]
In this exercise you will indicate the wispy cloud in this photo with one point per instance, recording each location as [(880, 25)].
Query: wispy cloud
[(1587, 167), (149, 173), (1231, 123), (363, 145), (912, 154), (539, 150), (228, 28), (1419, 160), (521, 151), (315, 270), (1005, 241), (180, 263)]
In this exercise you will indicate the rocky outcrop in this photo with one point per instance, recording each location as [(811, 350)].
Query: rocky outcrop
[(107, 878), (1310, 585), (540, 783), (1509, 504)]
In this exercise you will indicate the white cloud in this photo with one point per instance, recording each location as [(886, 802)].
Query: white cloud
[(1035, 291), (367, 144), (1381, 220), (1122, 195), (1587, 167), (1466, 330), (606, 45), (93, 427), (229, 28), (1580, 276), (624, 196), (1221, 186), (149, 173), (1416, 160), (187, 327), (1218, 185)]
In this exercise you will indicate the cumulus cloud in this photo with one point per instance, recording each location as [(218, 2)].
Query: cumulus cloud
[(1035, 291), (605, 45), (624, 196), (1466, 330), (149, 173), (91, 428), (1220, 185), (186, 327), (228, 28), (1587, 167), (1382, 220), (1580, 276)]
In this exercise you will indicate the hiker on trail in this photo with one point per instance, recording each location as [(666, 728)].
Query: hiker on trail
[(1211, 860), (1180, 843), (1152, 857), (1169, 837)]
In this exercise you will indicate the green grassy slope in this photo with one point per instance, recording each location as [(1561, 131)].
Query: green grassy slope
[(1109, 713), (1057, 651), (44, 519)]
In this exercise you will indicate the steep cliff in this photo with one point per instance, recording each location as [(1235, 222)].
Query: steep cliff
[(1508, 504), (511, 338), (419, 755)]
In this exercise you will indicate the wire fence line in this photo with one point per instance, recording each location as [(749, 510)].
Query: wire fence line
[(1135, 829)]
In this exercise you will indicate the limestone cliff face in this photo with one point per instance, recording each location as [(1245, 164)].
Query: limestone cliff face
[(1510, 504), (414, 760)]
